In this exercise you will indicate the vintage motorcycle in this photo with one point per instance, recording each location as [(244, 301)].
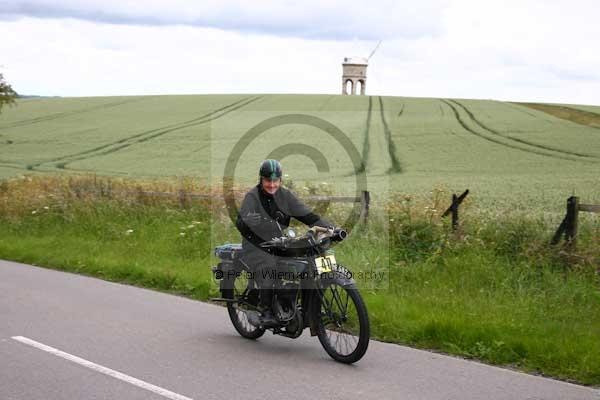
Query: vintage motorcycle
[(311, 291)]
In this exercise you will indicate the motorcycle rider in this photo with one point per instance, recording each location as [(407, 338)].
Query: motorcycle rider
[(267, 209)]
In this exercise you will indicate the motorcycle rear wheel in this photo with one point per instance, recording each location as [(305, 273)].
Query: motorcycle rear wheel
[(343, 327), (235, 288)]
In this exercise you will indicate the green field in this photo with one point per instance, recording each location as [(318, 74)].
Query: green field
[(506, 153)]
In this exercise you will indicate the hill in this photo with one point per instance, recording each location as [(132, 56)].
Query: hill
[(504, 152)]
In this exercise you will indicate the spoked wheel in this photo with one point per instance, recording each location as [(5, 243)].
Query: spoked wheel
[(343, 329), (237, 288)]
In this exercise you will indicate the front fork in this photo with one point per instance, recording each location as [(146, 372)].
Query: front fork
[(315, 296), (311, 302)]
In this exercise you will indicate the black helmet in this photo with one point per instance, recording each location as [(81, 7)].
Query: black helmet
[(270, 169)]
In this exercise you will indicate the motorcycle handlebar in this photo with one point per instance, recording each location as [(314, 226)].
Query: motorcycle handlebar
[(339, 234), (334, 234)]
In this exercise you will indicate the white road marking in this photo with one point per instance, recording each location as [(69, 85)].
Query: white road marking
[(103, 370)]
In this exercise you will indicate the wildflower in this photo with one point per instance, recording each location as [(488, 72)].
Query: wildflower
[(34, 212), (46, 208), (190, 226), (129, 231), (181, 233)]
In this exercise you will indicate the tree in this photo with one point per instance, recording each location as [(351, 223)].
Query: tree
[(7, 94)]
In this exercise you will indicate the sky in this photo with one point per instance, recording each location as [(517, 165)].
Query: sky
[(546, 51)]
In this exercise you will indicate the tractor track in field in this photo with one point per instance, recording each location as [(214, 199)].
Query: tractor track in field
[(521, 109), (7, 164), (121, 173), (141, 137), (401, 111), (526, 142), (450, 131), (510, 145), (162, 131), (325, 103), (64, 114), (395, 167), (365, 149)]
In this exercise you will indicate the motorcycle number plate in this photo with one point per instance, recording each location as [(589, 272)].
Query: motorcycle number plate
[(325, 264)]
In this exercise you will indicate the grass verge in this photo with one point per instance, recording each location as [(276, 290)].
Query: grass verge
[(495, 291)]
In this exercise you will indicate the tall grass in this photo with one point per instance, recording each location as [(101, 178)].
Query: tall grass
[(494, 291), (108, 228)]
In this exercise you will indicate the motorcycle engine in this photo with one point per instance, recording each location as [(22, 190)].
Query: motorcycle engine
[(286, 294), (287, 309)]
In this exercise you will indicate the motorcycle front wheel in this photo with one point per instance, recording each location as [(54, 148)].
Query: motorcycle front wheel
[(343, 327)]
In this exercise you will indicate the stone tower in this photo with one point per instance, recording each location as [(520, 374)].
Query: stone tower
[(354, 73)]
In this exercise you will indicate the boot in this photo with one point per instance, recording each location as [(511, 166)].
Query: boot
[(266, 318)]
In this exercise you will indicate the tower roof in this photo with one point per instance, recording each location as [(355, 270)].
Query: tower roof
[(355, 60)]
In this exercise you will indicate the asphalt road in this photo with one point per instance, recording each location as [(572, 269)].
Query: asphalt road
[(190, 349)]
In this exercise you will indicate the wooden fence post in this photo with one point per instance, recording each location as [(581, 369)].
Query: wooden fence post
[(572, 221), (365, 200), (182, 198), (453, 209)]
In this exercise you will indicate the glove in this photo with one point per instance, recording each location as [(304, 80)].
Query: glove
[(253, 219)]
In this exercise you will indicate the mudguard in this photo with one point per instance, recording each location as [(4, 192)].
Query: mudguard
[(339, 275), (225, 271)]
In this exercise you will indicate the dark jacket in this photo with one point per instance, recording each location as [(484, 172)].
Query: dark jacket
[(284, 201)]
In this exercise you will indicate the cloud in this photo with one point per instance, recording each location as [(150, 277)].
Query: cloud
[(311, 19), (79, 58), (482, 50)]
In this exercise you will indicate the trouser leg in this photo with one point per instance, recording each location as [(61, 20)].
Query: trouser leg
[(263, 267), (265, 283)]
